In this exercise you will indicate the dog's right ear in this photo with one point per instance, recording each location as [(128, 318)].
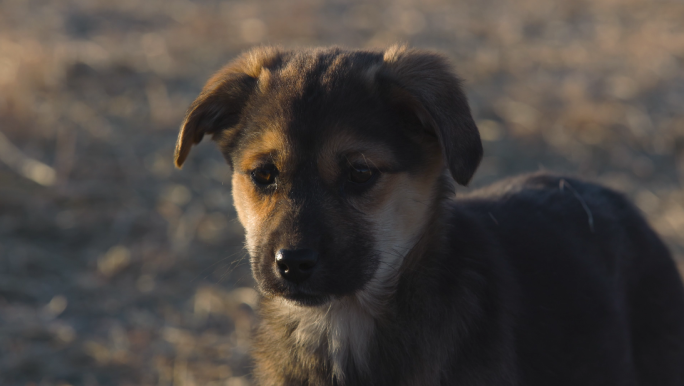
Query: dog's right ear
[(218, 108)]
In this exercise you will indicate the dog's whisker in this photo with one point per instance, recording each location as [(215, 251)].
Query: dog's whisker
[(232, 267), (213, 265)]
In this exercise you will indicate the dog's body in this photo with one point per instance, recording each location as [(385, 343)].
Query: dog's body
[(372, 275)]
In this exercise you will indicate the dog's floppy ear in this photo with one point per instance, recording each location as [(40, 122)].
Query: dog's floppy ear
[(426, 85), (217, 110)]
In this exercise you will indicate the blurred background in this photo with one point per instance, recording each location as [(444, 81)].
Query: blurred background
[(117, 269)]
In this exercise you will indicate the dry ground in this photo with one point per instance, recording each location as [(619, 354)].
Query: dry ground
[(116, 269)]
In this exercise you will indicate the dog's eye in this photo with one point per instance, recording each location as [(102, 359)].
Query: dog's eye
[(265, 175), (360, 174)]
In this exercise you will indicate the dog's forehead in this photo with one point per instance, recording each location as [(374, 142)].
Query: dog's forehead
[(322, 70), (313, 92), (319, 105)]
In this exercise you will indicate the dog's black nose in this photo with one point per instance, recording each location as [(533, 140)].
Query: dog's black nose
[(296, 265)]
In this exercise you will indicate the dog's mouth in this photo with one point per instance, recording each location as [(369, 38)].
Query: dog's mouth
[(301, 296), (304, 299)]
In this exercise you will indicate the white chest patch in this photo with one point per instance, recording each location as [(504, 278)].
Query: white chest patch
[(344, 324)]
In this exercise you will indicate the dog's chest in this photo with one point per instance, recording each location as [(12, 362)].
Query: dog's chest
[(343, 327)]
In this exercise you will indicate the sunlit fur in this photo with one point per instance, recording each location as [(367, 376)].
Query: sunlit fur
[(507, 286)]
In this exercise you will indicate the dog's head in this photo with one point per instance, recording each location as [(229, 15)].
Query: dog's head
[(338, 160)]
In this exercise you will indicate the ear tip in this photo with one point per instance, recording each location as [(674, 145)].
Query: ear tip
[(463, 180), (179, 157), (464, 172)]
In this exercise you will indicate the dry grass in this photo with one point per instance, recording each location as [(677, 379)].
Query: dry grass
[(116, 269)]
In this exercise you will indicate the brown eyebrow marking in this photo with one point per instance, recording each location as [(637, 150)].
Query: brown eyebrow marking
[(343, 143), (270, 146)]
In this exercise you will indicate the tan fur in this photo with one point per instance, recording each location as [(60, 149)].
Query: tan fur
[(271, 146), (264, 80), (399, 216), (255, 61), (252, 209)]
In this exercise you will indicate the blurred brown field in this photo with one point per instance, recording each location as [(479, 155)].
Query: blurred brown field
[(117, 269)]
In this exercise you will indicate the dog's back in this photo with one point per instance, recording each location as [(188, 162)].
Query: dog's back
[(600, 301)]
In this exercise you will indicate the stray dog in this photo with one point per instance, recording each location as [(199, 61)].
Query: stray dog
[(371, 274)]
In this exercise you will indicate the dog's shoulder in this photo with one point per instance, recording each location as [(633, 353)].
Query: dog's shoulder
[(552, 219), (536, 186), (536, 216), (547, 196)]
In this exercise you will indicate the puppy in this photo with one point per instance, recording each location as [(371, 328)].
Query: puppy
[(372, 274)]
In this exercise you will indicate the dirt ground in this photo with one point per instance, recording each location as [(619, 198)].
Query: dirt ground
[(117, 269)]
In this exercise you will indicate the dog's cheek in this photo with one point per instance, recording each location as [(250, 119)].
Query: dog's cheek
[(407, 202), (401, 210), (252, 209), (400, 213), (239, 195)]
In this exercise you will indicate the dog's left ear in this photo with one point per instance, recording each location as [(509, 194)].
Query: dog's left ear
[(425, 84), (220, 105), (216, 110)]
